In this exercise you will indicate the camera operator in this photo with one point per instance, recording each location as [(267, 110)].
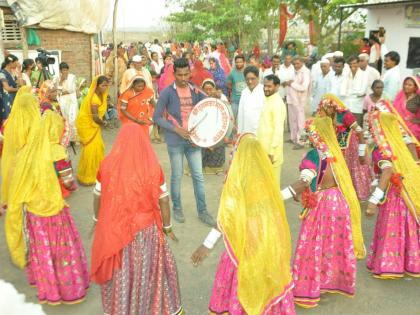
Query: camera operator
[(37, 77)]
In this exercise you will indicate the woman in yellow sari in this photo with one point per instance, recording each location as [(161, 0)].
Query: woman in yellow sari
[(40, 232), (253, 276), (88, 124)]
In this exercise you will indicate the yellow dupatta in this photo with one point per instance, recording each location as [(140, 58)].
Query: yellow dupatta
[(256, 232), (34, 187), (87, 128), (24, 111), (403, 161), (325, 129)]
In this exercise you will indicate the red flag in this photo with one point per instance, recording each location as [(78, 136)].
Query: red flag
[(312, 37)]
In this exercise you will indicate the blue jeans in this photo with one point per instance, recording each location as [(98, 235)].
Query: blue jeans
[(176, 157)]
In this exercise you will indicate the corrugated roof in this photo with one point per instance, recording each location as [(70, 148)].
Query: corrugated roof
[(379, 3), (3, 3)]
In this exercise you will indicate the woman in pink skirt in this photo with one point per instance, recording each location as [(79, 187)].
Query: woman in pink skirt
[(395, 248), (253, 276), (40, 232), (330, 237), (351, 140), (131, 259)]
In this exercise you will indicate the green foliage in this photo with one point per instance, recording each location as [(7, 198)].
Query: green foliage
[(225, 20)]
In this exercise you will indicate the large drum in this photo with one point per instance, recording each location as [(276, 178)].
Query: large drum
[(210, 122)]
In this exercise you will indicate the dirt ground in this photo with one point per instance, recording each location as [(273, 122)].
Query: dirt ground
[(373, 296)]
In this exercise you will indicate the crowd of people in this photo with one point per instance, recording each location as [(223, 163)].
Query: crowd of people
[(363, 132)]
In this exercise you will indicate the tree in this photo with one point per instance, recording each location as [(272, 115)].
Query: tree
[(325, 16), (236, 21)]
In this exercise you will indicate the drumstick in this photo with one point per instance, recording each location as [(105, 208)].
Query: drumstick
[(199, 122)]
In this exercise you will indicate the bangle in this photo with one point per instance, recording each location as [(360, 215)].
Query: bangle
[(212, 238), (362, 149), (167, 229), (288, 193), (94, 218), (376, 196)]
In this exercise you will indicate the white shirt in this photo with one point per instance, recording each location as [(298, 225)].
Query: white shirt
[(157, 66), (356, 87), (372, 75), (321, 85), (392, 82), (338, 86), (285, 74), (250, 106)]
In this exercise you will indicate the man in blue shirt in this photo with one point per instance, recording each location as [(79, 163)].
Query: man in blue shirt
[(176, 103)]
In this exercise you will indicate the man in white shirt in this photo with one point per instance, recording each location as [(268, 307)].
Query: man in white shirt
[(340, 54), (297, 97), (338, 79), (157, 48), (371, 72), (251, 102), (67, 97), (321, 84), (286, 73), (275, 67), (356, 87), (392, 75)]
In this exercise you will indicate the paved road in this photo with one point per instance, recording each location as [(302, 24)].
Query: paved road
[(373, 297)]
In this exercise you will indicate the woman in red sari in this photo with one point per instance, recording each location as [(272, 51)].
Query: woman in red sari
[(407, 103), (136, 104), (131, 259), (199, 74)]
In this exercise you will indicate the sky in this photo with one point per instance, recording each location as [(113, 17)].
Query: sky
[(139, 14)]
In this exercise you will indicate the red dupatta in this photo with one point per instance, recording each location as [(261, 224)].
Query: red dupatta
[(199, 74), (130, 179)]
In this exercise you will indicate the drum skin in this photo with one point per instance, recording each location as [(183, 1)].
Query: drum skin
[(210, 122)]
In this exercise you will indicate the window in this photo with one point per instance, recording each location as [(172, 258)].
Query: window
[(11, 31)]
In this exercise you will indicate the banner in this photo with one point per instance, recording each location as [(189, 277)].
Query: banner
[(87, 16), (284, 16)]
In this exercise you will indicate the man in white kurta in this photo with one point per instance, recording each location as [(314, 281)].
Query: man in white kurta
[(67, 98), (338, 80), (271, 124), (371, 72), (392, 75), (251, 102), (321, 84), (356, 88)]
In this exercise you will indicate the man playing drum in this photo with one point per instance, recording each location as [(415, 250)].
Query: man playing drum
[(177, 101)]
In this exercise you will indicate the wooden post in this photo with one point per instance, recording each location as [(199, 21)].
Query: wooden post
[(114, 40), (25, 50), (92, 57)]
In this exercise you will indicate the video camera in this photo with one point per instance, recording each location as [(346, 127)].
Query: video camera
[(44, 57)]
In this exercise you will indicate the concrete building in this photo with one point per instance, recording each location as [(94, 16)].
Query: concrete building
[(401, 21), (75, 48)]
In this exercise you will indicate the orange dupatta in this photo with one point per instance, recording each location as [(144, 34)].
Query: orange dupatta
[(130, 179)]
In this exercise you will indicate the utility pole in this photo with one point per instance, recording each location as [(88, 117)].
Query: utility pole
[(114, 40)]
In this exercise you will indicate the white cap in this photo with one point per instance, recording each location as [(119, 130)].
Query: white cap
[(325, 61), (328, 55), (136, 58), (338, 53), (364, 56)]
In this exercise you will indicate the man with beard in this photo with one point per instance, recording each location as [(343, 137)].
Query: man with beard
[(271, 124)]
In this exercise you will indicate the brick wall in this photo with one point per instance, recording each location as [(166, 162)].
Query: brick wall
[(75, 49)]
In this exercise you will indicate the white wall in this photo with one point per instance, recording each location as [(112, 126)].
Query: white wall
[(397, 34)]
